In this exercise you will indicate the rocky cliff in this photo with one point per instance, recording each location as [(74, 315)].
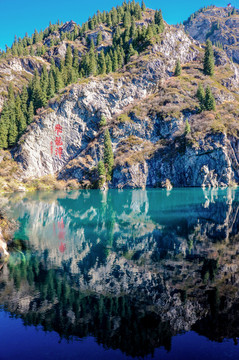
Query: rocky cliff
[(148, 134), (147, 109), (220, 25)]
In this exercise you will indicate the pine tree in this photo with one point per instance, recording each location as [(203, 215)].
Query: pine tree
[(108, 154), (209, 60), (132, 29), (201, 96), (92, 44), (187, 128), (114, 16), (149, 33), (92, 63), (51, 86), (120, 56), (24, 100), (76, 32), (108, 20), (101, 174), (99, 38), (131, 52), (137, 12), (44, 78), (11, 97), (58, 81), (20, 118), (36, 91), (127, 19), (115, 65), (143, 7), (76, 60), (178, 69), (158, 19), (35, 37), (103, 121), (30, 114), (22, 124), (85, 64), (68, 57), (102, 64), (4, 127), (43, 97), (13, 133), (210, 103), (108, 62)]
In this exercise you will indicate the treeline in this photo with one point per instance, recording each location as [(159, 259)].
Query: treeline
[(128, 40), (125, 14), (23, 46), (18, 111)]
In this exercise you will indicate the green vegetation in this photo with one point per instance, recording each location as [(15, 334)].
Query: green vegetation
[(101, 174), (103, 121), (187, 128), (128, 39), (209, 100), (206, 99), (201, 96), (178, 69), (209, 60)]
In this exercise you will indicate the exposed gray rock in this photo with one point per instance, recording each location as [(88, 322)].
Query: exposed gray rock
[(69, 26), (205, 25), (78, 112)]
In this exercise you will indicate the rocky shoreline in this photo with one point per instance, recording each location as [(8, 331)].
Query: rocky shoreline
[(7, 228)]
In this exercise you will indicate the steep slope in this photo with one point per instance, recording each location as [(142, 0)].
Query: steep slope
[(18, 71), (220, 25), (79, 110), (146, 108)]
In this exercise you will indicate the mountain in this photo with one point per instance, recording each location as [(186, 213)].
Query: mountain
[(110, 111), (220, 25)]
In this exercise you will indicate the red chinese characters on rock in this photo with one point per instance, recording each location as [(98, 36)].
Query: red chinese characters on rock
[(58, 142)]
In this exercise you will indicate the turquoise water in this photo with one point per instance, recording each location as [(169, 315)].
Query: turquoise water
[(121, 275)]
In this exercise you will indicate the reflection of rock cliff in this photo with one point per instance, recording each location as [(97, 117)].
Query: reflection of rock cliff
[(165, 275)]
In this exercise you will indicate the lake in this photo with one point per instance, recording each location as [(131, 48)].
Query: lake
[(122, 274)]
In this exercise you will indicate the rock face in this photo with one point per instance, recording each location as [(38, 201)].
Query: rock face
[(80, 109), (149, 141), (213, 164), (220, 27)]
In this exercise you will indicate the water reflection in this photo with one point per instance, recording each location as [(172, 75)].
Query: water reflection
[(131, 268)]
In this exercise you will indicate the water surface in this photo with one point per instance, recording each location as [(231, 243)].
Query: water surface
[(121, 275)]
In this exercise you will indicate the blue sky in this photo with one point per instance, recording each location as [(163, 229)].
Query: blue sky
[(21, 16)]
